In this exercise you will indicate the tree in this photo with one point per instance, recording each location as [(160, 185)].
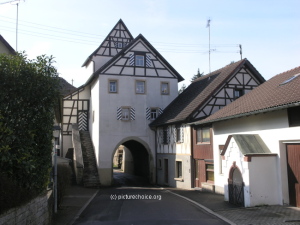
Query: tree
[(183, 87), (197, 75), (28, 96)]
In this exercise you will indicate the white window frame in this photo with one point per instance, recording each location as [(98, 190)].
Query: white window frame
[(153, 113), (116, 86), (139, 60), (163, 90), (125, 113), (140, 89)]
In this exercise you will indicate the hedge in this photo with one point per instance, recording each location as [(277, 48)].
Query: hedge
[(28, 96)]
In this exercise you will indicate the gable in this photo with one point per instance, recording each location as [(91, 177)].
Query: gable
[(243, 80), (118, 38), (153, 64)]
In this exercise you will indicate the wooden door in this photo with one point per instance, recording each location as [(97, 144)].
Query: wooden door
[(293, 167)]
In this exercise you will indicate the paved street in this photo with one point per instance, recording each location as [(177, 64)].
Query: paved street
[(133, 201)]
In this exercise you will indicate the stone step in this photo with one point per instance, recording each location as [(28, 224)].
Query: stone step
[(90, 172)]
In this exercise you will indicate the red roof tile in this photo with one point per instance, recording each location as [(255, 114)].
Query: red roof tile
[(271, 95)]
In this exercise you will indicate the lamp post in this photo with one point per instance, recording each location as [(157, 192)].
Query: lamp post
[(56, 130)]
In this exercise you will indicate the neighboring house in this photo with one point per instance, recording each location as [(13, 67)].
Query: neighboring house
[(130, 86), (184, 153), (64, 88), (256, 144), (5, 47)]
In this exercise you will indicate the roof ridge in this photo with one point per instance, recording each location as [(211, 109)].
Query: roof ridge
[(218, 70)]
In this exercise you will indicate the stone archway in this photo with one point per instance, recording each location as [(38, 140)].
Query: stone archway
[(236, 186), (141, 156)]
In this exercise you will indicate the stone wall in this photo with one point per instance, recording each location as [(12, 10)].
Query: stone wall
[(38, 211)]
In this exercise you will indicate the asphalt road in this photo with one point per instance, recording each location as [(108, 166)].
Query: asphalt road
[(132, 201)]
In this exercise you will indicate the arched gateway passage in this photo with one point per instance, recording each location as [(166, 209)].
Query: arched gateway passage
[(135, 165)]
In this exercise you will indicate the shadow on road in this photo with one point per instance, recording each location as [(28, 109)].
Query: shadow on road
[(121, 179)]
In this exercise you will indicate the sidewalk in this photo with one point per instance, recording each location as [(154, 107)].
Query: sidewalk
[(74, 202), (264, 215), (78, 198)]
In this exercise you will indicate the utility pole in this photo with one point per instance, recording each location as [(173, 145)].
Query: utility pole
[(208, 25), (17, 26)]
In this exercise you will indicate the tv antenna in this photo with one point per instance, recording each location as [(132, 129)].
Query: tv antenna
[(15, 2), (209, 50)]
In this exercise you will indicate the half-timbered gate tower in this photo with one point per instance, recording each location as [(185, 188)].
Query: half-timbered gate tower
[(130, 85)]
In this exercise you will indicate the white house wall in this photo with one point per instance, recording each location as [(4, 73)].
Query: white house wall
[(114, 132), (174, 151), (274, 130), (260, 182), (94, 116)]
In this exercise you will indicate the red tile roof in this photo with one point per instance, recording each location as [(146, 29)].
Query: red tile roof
[(281, 91), (194, 96)]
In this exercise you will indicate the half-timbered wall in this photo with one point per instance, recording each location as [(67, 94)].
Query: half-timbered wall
[(75, 109), (125, 64), (118, 38), (243, 81), (177, 149)]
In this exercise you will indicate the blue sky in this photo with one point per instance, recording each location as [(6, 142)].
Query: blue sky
[(269, 31)]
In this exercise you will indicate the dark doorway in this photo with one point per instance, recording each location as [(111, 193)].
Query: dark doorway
[(236, 187), (140, 175), (293, 167)]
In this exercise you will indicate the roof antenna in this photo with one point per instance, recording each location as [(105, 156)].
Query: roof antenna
[(241, 52), (208, 26)]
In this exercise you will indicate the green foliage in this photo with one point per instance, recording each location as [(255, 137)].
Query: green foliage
[(197, 75), (28, 94), (183, 87)]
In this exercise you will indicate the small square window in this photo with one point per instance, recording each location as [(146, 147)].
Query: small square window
[(113, 86), (140, 87), (203, 135), (139, 60), (120, 45), (164, 88), (238, 93)]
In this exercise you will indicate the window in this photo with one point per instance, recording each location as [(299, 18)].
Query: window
[(178, 169), (125, 113), (164, 88), (210, 175), (179, 134), (294, 116), (120, 45), (139, 60), (159, 164), (203, 135), (153, 114), (140, 87), (166, 136), (113, 86), (238, 93)]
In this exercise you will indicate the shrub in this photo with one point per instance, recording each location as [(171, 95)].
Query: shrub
[(28, 95)]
